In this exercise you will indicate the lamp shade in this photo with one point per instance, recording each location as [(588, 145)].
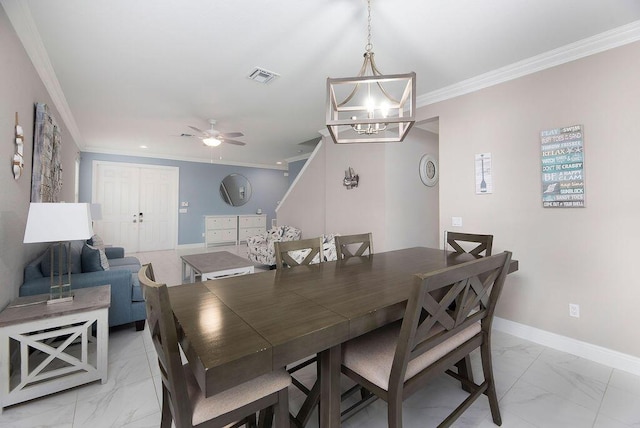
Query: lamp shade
[(53, 222)]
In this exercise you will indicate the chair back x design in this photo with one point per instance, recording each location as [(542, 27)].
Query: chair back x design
[(182, 399), (345, 244), (395, 361), (484, 242), (284, 258)]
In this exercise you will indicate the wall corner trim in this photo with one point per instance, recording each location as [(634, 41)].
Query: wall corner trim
[(304, 167)]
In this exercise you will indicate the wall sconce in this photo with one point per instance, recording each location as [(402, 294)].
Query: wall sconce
[(351, 179)]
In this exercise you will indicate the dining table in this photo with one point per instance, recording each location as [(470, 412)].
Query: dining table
[(235, 329)]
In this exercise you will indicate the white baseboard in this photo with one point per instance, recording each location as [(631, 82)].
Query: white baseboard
[(599, 354), (191, 246)]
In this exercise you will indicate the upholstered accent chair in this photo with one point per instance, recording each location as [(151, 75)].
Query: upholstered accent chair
[(182, 399), (260, 248)]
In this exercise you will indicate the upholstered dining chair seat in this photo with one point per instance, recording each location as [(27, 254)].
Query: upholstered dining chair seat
[(371, 355), (205, 409)]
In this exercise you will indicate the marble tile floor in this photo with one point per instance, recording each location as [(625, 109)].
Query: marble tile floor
[(537, 387)]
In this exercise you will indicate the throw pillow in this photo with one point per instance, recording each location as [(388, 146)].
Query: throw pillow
[(93, 259), (96, 241)]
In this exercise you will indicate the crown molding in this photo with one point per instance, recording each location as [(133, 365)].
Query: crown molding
[(298, 158), (20, 16), (182, 158), (592, 45)]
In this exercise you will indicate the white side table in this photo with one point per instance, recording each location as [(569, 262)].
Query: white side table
[(46, 348)]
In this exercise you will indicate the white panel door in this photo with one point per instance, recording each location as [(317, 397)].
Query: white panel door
[(156, 217), (116, 188), (138, 205)]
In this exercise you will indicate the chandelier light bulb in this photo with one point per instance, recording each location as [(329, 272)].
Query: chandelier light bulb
[(371, 106), (384, 109)]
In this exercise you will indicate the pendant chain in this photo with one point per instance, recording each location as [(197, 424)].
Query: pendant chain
[(369, 45)]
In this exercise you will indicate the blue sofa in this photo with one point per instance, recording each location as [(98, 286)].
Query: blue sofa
[(127, 303)]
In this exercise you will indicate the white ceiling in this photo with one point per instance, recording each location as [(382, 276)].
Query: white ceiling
[(129, 73)]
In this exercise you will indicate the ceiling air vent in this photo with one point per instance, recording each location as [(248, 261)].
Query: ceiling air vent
[(261, 75)]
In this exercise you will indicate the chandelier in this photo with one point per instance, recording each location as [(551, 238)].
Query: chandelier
[(371, 107)]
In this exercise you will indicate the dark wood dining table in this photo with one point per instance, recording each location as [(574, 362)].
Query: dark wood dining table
[(238, 328)]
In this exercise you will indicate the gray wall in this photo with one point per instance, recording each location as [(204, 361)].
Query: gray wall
[(199, 184), (20, 89)]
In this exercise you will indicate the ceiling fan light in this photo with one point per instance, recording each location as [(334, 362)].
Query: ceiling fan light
[(211, 142)]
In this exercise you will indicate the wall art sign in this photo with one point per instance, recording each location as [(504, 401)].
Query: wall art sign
[(46, 177), (563, 167), (484, 180)]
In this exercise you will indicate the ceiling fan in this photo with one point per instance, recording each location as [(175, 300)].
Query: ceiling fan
[(213, 138)]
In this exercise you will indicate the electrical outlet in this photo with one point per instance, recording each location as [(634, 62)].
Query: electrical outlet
[(456, 221), (574, 310)]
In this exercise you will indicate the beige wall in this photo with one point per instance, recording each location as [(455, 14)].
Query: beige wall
[(390, 200), (21, 88), (361, 209), (303, 205), (585, 256), (411, 207)]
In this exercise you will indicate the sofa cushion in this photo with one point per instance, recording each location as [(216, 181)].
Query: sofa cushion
[(93, 259), (76, 259), (131, 263)]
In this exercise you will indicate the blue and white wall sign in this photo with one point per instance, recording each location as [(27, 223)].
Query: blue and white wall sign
[(562, 167)]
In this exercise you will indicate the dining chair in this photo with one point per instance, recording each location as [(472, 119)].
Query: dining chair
[(290, 254), (454, 239), (182, 399), (300, 252), (395, 361), (345, 244)]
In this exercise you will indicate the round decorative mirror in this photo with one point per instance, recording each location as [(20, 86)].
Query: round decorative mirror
[(235, 190)]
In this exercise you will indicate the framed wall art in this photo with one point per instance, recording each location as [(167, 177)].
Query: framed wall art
[(562, 167), (46, 177)]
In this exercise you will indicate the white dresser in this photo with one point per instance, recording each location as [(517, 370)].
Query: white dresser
[(249, 225), (220, 229)]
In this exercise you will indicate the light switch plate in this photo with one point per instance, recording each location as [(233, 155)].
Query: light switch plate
[(456, 221), (182, 210)]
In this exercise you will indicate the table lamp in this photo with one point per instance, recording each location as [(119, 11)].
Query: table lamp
[(59, 223)]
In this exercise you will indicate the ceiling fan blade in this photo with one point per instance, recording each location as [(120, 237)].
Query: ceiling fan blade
[(231, 134), (237, 143), (196, 129)]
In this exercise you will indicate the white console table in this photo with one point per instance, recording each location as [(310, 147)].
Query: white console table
[(220, 229), (53, 345), (250, 225), (227, 229)]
